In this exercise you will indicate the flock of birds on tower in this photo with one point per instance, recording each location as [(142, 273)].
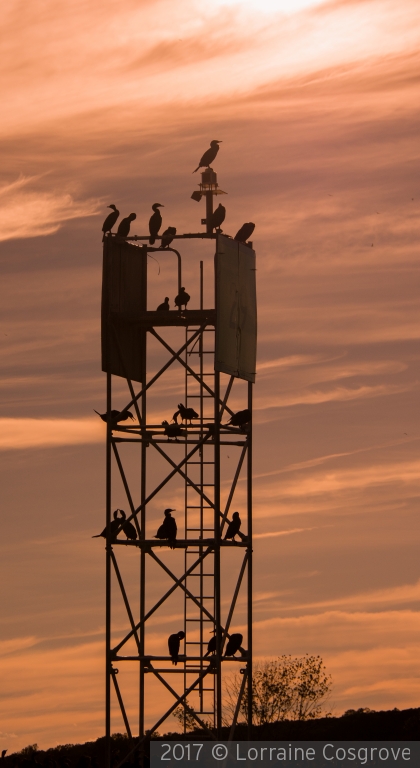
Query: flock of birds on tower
[(155, 221), (167, 531)]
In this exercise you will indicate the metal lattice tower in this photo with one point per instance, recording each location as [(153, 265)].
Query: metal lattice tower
[(207, 579)]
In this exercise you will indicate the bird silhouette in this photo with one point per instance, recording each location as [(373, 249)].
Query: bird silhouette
[(209, 155), (174, 642), (155, 222), (173, 430), (234, 644), (110, 219), (240, 418), (113, 527), (211, 645), (168, 529), (186, 414), (182, 299), (3, 754), (218, 217), (245, 232), (167, 237), (164, 307), (124, 225), (127, 527), (233, 527), (116, 416)]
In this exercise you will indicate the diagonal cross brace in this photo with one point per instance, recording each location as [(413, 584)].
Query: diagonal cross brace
[(169, 477), (190, 370), (164, 368), (162, 599)]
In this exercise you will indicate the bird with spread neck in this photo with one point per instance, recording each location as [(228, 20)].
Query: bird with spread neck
[(155, 222), (209, 155), (168, 529), (167, 237), (164, 307), (116, 416), (124, 225), (245, 232), (110, 219), (182, 299), (218, 217), (174, 642)]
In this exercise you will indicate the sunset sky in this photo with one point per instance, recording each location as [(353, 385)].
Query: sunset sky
[(317, 105)]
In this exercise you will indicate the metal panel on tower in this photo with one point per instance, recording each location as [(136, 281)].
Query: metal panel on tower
[(236, 309)]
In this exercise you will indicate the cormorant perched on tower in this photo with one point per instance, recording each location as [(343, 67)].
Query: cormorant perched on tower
[(167, 237), (124, 227), (245, 232), (116, 416), (209, 155), (168, 529), (240, 418), (113, 527), (211, 645), (155, 222), (218, 217), (110, 220), (174, 642), (173, 430), (233, 527), (186, 414), (234, 644), (127, 527), (182, 299), (164, 307)]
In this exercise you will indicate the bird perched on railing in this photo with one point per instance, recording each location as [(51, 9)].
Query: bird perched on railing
[(3, 754), (186, 414), (240, 418), (164, 307), (116, 416), (126, 526), (155, 222), (168, 529), (209, 155), (245, 232), (218, 217), (124, 225), (114, 527), (174, 642), (211, 645), (182, 299), (234, 644), (110, 219), (173, 430), (233, 527), (167, 237)]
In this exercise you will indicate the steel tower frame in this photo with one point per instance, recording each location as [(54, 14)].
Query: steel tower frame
[(207, 601)]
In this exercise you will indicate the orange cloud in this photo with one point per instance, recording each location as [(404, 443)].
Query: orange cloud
[(32, 213)]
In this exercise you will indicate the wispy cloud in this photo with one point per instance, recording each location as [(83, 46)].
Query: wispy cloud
[(273, 534), (39, 433), (30, 213)]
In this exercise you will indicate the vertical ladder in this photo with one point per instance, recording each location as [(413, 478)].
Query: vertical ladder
[(199, 520)]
